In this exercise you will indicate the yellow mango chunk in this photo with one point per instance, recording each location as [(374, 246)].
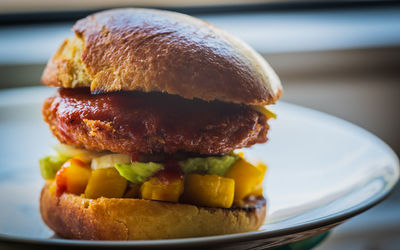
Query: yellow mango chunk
[(105, 182), (263, 168), (158, 189), (53, 187), (248, 179), (209, 190), (72, 177), (257, 190)]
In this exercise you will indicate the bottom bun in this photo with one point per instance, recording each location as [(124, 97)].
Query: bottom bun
[(74, 217)]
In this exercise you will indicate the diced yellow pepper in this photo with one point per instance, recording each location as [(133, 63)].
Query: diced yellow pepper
[(248, 179), (161, 190), (73, 177), (209, 190), (105, 182)]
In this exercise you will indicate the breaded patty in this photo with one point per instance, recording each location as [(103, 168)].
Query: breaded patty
[(136, 122)]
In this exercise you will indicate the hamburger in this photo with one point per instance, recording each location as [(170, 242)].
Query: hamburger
[(151, 109)]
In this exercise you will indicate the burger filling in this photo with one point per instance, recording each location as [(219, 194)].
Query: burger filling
[(212, 181), (154, 146)]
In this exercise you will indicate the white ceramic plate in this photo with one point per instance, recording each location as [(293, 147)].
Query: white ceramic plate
[(322, 171)]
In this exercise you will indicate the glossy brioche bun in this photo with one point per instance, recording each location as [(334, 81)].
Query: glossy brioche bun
[(71, 216), (152, 50)]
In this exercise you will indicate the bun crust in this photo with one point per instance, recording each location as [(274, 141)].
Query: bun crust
[(71, 216), (153, 50)]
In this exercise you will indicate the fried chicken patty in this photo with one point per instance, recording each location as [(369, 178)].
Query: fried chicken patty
[(136, 122)]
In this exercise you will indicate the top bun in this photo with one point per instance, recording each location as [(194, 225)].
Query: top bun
[(152, 50)]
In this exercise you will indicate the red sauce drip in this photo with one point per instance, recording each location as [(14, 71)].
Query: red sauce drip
[(61, 182), (60, 190), (135, 156), (171, 171)]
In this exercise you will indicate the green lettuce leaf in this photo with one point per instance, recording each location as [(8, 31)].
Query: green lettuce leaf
[(49, 165), (138, 172), (217, 165)]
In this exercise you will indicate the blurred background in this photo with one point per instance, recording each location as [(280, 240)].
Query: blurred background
[(339, 57)]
